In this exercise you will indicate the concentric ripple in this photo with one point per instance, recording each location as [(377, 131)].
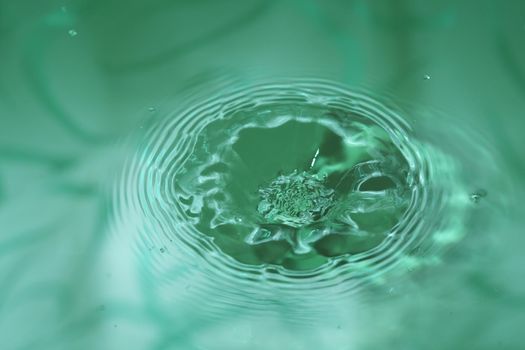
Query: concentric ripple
[(301, 184)]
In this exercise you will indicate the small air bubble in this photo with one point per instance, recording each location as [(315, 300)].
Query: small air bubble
[(152, 109), (162, 250), (476, 196), (72, 33), (426, 77)]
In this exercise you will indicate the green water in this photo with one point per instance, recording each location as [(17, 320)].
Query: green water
[(261, 175), (297, 181)]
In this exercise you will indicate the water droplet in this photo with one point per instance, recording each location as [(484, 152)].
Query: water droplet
[(102, 308), (477, 195), (63, 9), (152, 109), (426, 77), (72, 33), (293, 213), (314, 158)]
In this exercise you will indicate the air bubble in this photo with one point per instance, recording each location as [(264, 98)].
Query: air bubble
[(478, 195)]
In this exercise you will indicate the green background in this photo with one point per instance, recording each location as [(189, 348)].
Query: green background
[(77, 77)]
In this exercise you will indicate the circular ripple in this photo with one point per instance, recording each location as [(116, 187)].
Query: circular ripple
[(359, 198)]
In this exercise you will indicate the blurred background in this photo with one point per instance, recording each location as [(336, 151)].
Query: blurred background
[(78, 77)]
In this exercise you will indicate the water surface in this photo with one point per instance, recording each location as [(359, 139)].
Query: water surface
[(261, 175)]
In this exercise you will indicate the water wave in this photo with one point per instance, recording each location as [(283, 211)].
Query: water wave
[(179, 164)]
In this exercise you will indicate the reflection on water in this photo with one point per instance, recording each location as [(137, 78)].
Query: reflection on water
[(162, 186)]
